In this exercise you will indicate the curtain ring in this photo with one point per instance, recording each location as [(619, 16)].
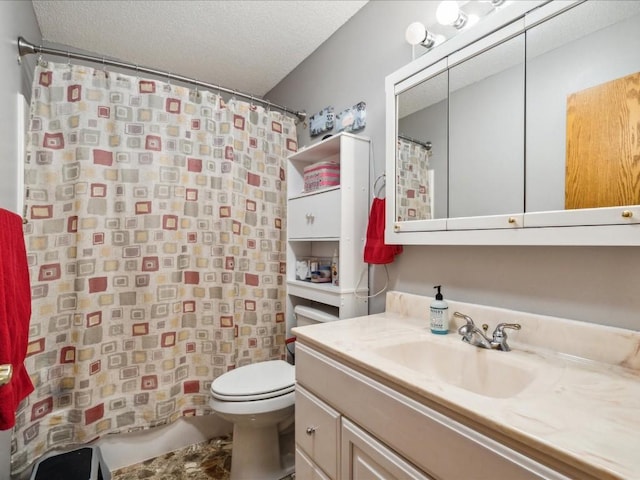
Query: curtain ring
[(39, 60), (104, 68)]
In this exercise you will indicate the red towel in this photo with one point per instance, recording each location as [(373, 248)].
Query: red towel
[(15, 313), (375, 250)]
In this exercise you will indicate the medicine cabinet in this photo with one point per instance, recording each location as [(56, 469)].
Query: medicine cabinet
[(533, 121)]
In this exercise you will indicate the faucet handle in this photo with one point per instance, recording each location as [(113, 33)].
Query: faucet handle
[(468, 319), (499, 331), (500, 336), (467, 329)]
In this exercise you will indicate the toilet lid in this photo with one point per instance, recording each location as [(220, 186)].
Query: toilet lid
[(255, 382)]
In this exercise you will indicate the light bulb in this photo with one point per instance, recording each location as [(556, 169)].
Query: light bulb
[(447, 12), (415, 33)]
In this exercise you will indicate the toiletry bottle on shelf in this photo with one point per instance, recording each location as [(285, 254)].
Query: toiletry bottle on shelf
[(439, 314), (334, 269)]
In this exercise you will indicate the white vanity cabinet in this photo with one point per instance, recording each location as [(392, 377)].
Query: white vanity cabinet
[(387, 435), (326, 221)]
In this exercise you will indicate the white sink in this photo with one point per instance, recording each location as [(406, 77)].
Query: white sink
[(485, 372)]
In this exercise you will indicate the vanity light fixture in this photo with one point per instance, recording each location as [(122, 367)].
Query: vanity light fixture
[(417, 34), (449, 13)]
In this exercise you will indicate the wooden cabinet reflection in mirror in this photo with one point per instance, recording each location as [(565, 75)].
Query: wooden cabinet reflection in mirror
[(603, 145)]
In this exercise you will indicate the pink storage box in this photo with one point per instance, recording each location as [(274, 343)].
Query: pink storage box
[(321, 175)]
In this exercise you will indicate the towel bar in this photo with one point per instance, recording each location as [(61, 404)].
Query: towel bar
[(6, 371)]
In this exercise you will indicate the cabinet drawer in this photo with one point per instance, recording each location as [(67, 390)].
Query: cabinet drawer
[(315, 216), (317, 431)]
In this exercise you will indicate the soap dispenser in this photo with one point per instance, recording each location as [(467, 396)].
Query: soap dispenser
[(439, 314)]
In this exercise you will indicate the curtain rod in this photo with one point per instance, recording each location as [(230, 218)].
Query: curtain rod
[(426, 145), (27, 48)]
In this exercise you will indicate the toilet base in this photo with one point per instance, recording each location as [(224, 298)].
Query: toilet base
[(256, 454)]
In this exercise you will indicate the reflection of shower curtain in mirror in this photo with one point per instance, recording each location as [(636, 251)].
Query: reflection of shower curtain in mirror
[(413, 195), (154, 239)]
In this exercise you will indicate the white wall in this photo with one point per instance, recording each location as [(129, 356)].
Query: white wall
[(16, 18), (593, 284)]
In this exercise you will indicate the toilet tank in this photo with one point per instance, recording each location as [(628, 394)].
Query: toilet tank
[(309, 316)]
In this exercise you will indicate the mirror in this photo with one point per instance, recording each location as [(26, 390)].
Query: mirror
[(421, 154), (549, 149), (486, 132), (583, 108)]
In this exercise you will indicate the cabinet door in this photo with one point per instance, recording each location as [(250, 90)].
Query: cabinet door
[(306, 469), (315, 216), (317, 431), (364, 458)]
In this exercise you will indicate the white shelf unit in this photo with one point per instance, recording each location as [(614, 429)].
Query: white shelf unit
[(328, 220)]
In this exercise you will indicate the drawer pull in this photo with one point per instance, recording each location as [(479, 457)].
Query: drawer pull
[(311, 430), (627, 214)]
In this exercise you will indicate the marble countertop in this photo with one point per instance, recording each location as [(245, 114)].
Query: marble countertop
[(582, 407)]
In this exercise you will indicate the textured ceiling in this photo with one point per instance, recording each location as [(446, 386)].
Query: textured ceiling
[(246, 45)]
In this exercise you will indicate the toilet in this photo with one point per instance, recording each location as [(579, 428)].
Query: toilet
[(259, 400)]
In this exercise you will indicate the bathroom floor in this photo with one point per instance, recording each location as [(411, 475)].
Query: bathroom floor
[(204, 461)]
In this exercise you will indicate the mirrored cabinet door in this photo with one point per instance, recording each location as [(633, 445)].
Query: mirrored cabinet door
[(583, 115), (421, 162), (486, 134), (421, 153)]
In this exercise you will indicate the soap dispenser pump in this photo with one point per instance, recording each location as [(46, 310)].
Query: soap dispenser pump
[(439, 314)]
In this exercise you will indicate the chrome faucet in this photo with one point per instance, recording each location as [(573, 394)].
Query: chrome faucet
[(475, 336)]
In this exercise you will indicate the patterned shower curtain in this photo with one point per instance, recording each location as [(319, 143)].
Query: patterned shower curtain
[(414, 188), (155, 241)]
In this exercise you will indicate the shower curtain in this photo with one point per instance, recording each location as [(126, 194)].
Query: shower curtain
[(155, 241), (414, 188)]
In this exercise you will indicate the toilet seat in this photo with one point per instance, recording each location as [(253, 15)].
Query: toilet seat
[(258, 381)]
